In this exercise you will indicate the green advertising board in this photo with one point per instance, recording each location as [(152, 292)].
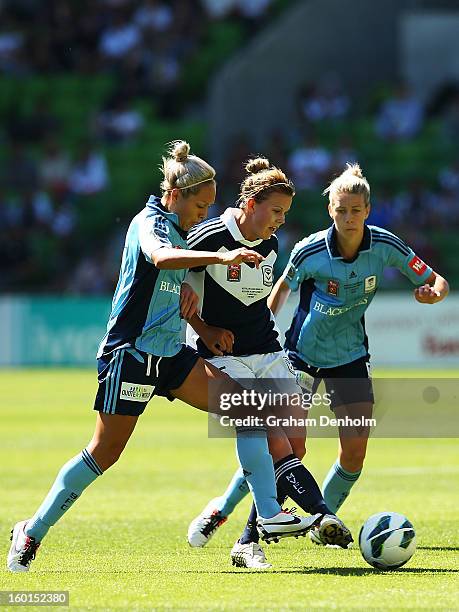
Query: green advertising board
[(51, 331)]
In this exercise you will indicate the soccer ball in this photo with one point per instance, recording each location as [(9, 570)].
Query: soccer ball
[(387, 540)]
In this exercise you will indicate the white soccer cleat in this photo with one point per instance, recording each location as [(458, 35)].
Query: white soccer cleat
[(331, 532), (22, 550), (203, 527), (285, 524), (249, 555)]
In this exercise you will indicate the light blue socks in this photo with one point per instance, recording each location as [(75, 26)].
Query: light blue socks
[(337, 485), (72, 480), (258, 469), (236, 491)]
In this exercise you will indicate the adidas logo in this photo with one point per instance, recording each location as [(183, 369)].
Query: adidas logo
[(352, 274)]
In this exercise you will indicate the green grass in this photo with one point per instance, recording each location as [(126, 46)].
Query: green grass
[(123, 545)]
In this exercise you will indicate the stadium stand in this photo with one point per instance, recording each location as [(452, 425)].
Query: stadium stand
[(69, 183)]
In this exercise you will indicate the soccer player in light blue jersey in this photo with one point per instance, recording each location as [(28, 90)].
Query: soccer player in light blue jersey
[(337, 272), (141, 355)]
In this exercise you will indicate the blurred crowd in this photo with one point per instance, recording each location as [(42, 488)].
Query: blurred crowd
[(145, 45)]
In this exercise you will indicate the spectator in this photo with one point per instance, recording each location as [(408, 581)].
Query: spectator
[(400, 117), (20, 171), (120, 38), (120, 122), (154, 17), (12, 47), (54, 168), (449, 177), (89, 174), (324, 100), (310, 164)]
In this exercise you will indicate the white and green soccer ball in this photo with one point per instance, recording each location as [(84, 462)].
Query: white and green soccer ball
[(387, 540)]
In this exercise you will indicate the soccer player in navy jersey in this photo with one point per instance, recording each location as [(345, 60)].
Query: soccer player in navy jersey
[(238, 334), (337, 272), (142, 355)]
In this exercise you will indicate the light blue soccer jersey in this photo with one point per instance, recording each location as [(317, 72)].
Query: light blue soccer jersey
[(146, 305), (328, 328)]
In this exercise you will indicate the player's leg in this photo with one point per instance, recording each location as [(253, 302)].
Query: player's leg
[(347, 469), (294, 480), (352, 391), (252, 451), (110, 437), (112, 432)]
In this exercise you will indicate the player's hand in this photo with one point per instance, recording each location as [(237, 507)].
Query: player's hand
[(241, 255), (218, 340), (427, 295), (188, 301)]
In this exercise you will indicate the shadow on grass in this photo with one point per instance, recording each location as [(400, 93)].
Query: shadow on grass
[(438, 548), (352, 571)]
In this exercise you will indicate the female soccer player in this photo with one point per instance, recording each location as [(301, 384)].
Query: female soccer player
[(238, 326), (337, 272), (141, 354)]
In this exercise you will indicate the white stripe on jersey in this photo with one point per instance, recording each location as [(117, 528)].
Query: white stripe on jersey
[(204, 228), (193, 241)]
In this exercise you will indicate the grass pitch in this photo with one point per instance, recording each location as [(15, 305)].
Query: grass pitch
[(123, 544)]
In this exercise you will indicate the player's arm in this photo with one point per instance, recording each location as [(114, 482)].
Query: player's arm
[(431, 287), (435, 289), (177, 259), (217, 339), (189, 300), (278, 296), (295, 273)]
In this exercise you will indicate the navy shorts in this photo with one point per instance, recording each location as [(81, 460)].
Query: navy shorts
[(129, 378), (347, 384)]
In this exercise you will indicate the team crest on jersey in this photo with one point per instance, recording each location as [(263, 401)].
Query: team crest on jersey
[(418, 266), (267, 272), (370, 284), (333, 287), (233, 273)]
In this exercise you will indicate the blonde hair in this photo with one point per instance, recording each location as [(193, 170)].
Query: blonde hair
[(350, 181), (184, 171), (262, 180)]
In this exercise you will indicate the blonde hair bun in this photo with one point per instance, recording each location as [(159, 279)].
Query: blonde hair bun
[(179, 151), (354, 170), (184, 171), (351, 180), (256, 165)]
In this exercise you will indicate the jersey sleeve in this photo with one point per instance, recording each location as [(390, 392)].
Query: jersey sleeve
[(297, 268), (401, 256), (154, 235)]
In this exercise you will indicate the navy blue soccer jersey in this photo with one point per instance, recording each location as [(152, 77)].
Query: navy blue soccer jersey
[(328, 328), (146, 306), (235, 297)]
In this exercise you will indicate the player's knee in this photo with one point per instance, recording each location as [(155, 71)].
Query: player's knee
[(279, 447), (298, 448), (353, 458), (107, 455)]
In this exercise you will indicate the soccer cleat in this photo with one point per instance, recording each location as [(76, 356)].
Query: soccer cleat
[(285, 524), (23, 549), (331, 532), (203, 527), (249, 555)]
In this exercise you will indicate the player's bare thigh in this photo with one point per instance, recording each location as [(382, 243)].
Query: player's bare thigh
[(195, 389)]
